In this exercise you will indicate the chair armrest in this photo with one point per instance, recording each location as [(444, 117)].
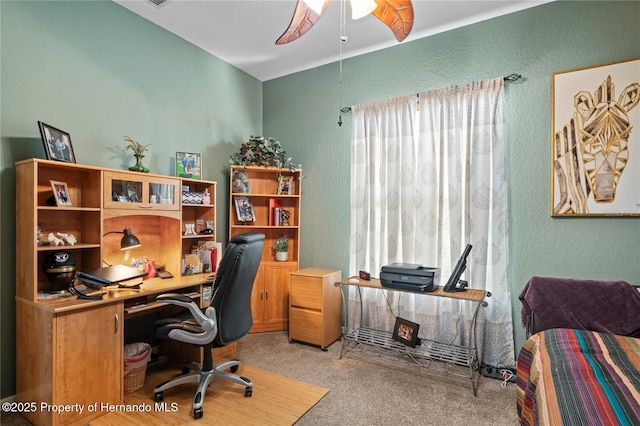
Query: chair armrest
[(206, 319)]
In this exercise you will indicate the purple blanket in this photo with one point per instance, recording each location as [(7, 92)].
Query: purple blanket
[(602, 306)]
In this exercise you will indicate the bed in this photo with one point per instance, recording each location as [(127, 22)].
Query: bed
[(581, 363)]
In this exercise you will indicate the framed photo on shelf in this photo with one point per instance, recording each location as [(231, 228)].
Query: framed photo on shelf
[(57, 143), (61, 193), (285, 185), (406, 332), (189, 165), (244, 209)]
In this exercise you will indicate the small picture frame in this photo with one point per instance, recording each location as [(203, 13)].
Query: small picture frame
[(406, 332), (189, 165), (61, 193), (285, 185), (57, 143), (244, 209)]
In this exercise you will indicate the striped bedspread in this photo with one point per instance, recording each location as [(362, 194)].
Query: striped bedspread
[(577, 377)]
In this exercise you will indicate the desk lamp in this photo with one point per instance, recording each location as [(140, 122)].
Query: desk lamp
[(128, 241)]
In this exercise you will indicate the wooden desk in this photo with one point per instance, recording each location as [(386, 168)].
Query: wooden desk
[(70, 351), (448, 356)]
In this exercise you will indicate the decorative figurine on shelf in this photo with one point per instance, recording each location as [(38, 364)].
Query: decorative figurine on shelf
[(150, 268), (69, 238), (206, 197), (39, 239), (286, 215), (138, 152), (239, 183), (190, 229), (55, 240)]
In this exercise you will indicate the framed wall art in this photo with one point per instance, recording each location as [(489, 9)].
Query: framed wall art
[(189, 165), (595, 163), (57, 143)]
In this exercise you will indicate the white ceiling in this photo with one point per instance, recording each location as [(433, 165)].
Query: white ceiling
[(243, 32)]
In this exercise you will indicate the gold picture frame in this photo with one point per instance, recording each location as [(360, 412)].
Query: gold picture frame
[(595, 165), (61, 193), (285, 185)]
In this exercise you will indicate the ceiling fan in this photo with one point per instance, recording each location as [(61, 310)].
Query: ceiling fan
[(395, 14)]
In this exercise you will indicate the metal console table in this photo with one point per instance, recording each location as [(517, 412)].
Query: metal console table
[(457, 360)]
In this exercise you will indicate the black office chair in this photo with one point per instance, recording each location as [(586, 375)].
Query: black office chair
[(226, 320)]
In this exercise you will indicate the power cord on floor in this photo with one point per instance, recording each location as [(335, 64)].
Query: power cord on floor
[(500, 372), (507, 376)]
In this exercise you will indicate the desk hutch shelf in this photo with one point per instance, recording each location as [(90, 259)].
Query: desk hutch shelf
[(70, 351)]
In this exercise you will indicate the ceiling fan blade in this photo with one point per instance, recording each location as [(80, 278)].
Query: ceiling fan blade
[(397, 15), (302, 21)]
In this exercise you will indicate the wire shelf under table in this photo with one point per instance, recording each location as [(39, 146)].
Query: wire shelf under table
[(448, 356)]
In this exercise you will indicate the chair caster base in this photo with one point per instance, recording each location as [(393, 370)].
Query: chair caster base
[(198, 413), (158, 396), (248, 391)]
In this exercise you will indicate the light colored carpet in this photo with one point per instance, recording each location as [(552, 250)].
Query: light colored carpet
[(371, 391), (366, 391)]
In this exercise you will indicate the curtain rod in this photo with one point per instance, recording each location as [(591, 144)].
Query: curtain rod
[(509, 78)]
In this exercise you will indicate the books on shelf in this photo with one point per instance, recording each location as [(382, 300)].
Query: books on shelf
[(273, 206), (277, 215)]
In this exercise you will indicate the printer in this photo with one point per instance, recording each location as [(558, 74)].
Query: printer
[(410, 277)]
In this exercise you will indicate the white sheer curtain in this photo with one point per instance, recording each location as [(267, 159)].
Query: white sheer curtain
[(427, 178)]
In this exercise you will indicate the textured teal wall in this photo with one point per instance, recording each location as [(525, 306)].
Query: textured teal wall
[(98, 71), (302, 111)]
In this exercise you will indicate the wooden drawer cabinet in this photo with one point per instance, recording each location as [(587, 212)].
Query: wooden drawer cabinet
[(315, 306)]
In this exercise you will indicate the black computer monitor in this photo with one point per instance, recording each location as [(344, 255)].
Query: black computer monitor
[(454, 279)]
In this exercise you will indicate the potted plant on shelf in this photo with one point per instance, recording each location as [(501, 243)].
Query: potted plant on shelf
[(281, 247), (138, 152), (261, 151)]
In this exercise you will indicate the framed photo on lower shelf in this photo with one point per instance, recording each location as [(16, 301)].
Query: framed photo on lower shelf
[(406, 332), (244, 209), (61, 193)]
